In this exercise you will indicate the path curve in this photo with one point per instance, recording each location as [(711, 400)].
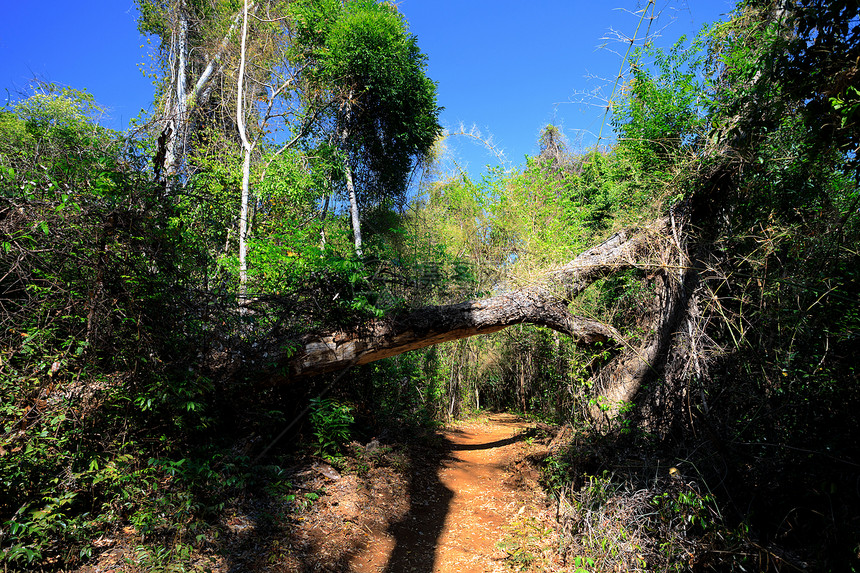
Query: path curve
[(458, 515)]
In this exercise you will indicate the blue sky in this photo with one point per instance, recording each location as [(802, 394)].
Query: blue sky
[(507, 68), (510, 68), (91, 45)]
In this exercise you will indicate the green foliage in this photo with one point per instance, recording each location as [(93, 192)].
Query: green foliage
[(117, 398), (847, 105), (625, 518), (292, 185), (51, 148), (35, 460), (663, 114), (406, 391), (807, 67), (93, 347), (361, 52), (331, 422)]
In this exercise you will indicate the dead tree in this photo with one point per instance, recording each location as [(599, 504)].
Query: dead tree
[(657, 248)]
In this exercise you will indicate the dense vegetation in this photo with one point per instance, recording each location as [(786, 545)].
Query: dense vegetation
[(143, 272)]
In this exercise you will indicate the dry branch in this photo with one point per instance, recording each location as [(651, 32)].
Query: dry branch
[(620, 380)]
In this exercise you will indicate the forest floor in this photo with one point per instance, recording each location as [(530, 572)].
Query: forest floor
[(466, 499)]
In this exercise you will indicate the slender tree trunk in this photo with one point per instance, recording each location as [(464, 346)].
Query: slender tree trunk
[(97, 294), (453, 388), (246, 166), (323, 216), (176, 120), (177, 110), (350, 186), (181, 90), (353, 211), (243, 226)]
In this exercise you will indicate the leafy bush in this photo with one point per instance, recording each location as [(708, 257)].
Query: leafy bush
[(91, 335), (331, 422)]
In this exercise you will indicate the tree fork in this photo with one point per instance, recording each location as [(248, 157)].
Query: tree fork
[(620, 380)]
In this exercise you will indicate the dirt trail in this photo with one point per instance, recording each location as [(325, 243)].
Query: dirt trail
[(458, 515), (444, 511)]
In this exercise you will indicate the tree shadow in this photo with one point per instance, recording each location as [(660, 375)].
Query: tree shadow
[(418, 534), (276, 541), (416, 537), (491, 445)]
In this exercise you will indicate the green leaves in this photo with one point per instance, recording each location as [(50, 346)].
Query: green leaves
[(848, 105), (331, 421), (664, 110), (363, 56)]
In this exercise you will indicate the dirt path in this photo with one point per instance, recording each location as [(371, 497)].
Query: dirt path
[(460, 514), (443, 508)]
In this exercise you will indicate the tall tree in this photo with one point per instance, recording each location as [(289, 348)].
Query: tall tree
[(195, 43), (362, 55), (247, 147), (204, 120)]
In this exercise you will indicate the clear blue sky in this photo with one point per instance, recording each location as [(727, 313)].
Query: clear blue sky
[(506, 67)]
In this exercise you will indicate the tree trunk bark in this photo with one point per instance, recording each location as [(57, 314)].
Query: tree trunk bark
[(620, 380), (176, 120), (177, 111), (544, 303), (350, 187), (384, 338), (353, 211), (243, 226)]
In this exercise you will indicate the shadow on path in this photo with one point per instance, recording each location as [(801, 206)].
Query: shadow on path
[(446, 472), (490, 445), (417, 536)]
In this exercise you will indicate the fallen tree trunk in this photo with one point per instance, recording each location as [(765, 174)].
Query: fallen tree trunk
[(433, 325), (544, 303), (620, 380)]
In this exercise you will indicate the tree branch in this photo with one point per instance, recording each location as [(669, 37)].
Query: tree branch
[(544, 303)]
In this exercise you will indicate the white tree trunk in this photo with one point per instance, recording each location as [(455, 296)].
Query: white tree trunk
[(181, 84), (243, 226), (222, 48), (353, 210), (176, 120), (178, 110), (350, 186), (246, 165)]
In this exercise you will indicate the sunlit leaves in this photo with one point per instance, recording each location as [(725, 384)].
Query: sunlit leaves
[(664, 110), (361, 55)]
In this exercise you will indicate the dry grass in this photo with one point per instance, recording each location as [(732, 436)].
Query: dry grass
[(608, 525)]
